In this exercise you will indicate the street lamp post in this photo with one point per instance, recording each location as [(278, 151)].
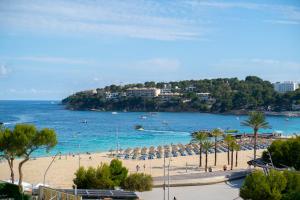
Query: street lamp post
[(169, 181), (164, 176), (49, 167), (78, 155)]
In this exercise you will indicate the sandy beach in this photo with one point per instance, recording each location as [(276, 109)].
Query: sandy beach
[(62, 171)]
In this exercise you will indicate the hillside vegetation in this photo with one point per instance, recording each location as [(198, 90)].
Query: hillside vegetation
[(226, 95)]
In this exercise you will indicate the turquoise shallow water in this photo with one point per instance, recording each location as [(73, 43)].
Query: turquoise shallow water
[(102, 129)]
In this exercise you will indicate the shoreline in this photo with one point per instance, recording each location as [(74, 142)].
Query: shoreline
[(113, 152), (232, 112), (62, 171)]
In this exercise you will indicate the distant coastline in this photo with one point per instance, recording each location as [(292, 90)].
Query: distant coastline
[(269, 113), (233, 112), (220, 96)]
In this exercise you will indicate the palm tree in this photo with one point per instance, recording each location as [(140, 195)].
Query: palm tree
[(237, 149), (206, 146), (256, 121), (199, 137), (227, 139), (216, 133), (232, 146)]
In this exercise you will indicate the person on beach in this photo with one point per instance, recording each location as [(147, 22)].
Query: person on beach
[(144, 167), (137, 168)]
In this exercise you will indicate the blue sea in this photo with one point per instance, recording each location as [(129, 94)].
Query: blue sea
[(104, 130)]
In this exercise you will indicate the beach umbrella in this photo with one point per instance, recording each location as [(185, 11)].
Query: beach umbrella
[(127, 151)]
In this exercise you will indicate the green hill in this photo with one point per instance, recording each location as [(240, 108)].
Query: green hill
[(225, 95)]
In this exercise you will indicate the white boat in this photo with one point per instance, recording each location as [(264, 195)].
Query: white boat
[(165, 122), (114, 113), (139, 128)]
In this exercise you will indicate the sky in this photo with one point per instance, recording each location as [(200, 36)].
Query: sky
[(50, 49)]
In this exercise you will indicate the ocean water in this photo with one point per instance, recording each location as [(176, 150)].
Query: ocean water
[(105, 130)]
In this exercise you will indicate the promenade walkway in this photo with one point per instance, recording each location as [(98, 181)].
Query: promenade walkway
[(203, 178), (221, 191)]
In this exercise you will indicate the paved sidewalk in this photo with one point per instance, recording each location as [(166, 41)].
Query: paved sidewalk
[(203, 178), (220, 191)]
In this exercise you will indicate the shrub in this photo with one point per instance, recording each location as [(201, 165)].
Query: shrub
[(8, 190), (92, 178), (118, 172), (285, 153), (138, 182), (292, 190), (102, 177), (80, 178), (274, 186)]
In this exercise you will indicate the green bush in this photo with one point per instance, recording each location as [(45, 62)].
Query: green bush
[(118, 172), (8, 190), (292, 190), (138, 182), (103, 177), (109, 176), (284, 153), (80, 180), (274, 186), (99, 178)]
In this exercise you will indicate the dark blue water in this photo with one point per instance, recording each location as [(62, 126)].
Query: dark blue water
[(102, 129)]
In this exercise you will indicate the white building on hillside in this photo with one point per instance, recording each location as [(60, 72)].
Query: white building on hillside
[(112, 95), (287, 86), (167, 89), (142, 92), (168, 96), (204, 96)]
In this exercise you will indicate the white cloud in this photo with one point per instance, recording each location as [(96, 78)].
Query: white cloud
[(97, 79), (50, 59), (283, 22), (289, 14), (165, 20), (3, 70), (138, 19)]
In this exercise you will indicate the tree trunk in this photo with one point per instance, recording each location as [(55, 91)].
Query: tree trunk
[(255, 139), (200, 155), (11, 167), (231, 159), (236, 158), (215, 151), (228, 152), (21, 173), (206, 161)]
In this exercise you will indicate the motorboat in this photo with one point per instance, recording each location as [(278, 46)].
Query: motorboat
[(139, 128)]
